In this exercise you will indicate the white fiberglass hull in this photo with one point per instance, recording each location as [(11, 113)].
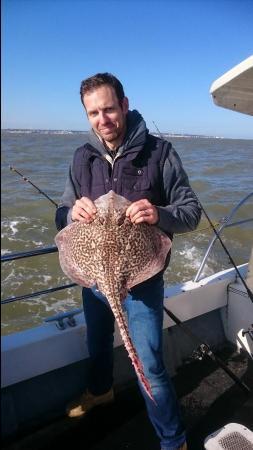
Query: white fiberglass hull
[(45, 348)]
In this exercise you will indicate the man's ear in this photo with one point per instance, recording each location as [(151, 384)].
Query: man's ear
[(125, 105)]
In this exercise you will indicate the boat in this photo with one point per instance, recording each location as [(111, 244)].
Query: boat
[(208, 346)]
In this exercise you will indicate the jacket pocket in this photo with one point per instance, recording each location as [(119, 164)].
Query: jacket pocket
[(134, 179)]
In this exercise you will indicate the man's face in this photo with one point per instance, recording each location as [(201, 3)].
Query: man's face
[(107, 117)]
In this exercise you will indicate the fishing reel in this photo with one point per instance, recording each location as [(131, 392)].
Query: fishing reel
[(201, 351)]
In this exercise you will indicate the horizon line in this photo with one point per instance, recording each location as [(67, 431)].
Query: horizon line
[(166, 134)]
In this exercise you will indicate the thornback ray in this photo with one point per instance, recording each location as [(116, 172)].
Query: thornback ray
[(115, 255)]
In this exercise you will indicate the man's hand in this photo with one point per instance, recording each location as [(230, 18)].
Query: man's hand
[(84, 210), (142, 211)]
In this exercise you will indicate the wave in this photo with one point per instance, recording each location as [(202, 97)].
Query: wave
[(10, 227)]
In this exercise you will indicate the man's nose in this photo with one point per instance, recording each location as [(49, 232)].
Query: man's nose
[(102, 117)]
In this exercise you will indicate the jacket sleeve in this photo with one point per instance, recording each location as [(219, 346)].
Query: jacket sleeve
[(182, 211), (70, 195)]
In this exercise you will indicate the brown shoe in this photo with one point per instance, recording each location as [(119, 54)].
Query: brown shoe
[(183, 447), (88, 401)]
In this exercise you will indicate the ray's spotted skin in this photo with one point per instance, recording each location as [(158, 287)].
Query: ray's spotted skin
[(115, 255)]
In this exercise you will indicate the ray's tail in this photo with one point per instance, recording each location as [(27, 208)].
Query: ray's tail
[(120, 319)]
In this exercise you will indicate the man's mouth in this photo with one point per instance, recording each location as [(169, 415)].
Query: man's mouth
[(107, 129)]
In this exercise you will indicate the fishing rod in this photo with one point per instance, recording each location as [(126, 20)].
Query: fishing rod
[(204, 349), (34, 185), (248, 290), (160, 134)]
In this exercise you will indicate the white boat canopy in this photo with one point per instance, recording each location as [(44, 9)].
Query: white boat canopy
[(234, 89)]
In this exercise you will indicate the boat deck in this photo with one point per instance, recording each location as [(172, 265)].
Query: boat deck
[(209, 399)]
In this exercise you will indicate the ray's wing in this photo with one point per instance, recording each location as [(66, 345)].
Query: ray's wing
[(148, 249), (77, 253)]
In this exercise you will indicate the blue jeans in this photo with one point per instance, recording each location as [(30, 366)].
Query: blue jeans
[(144, 308)]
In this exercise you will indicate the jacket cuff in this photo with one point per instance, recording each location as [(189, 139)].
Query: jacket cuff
[(61, 217)]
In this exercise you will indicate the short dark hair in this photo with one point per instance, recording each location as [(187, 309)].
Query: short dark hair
[(101, 79)]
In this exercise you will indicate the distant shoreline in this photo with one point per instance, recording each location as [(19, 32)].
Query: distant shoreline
[(65, 132), (165, 135)]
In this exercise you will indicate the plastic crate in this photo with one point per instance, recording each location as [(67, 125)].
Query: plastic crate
[(230, 437)]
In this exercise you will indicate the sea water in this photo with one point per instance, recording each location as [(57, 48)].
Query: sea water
[(220, 172)]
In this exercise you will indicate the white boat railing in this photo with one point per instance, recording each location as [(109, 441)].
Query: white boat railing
[(226, 223)]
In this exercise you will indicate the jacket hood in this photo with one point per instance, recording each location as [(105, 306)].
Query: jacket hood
[(136, 135)]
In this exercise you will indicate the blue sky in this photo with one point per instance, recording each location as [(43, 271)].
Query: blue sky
[(166, 54)]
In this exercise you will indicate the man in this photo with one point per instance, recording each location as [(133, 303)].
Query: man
[(120, 155)]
